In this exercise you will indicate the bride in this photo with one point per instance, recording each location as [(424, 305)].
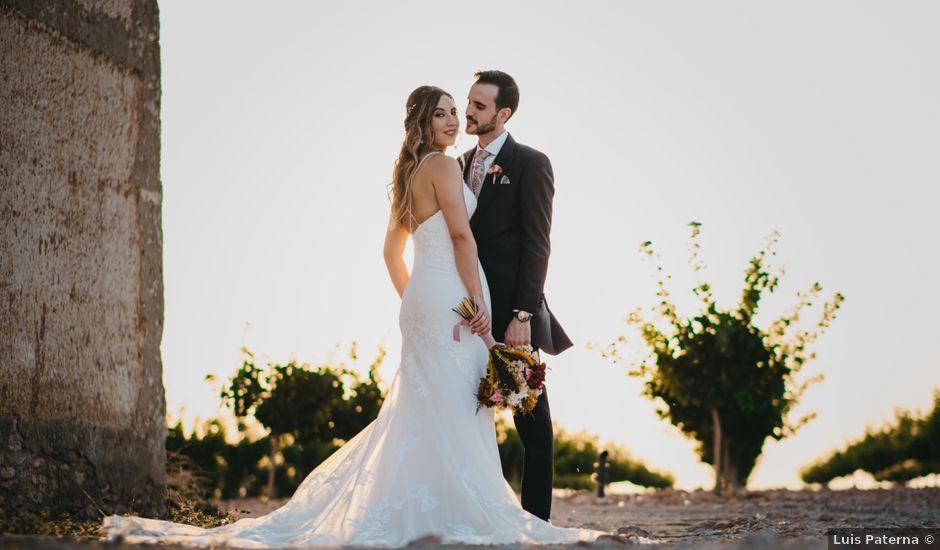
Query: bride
[(427, 465)]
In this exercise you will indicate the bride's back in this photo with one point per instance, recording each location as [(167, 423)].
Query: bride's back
[(424, 203)]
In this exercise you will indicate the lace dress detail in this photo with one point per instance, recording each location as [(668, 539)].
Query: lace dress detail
[(427, 465)]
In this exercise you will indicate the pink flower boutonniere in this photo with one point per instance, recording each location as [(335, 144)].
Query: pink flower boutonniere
[(496, 170)]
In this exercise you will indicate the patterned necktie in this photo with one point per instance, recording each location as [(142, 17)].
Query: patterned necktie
[(477, 173)]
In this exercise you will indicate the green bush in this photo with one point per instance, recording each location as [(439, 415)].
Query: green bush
[(575, 456), (909, 447)]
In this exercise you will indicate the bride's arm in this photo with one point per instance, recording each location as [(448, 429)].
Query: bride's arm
[(395, 240), (447, 180)]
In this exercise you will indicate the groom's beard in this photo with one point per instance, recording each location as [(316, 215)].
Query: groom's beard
[(484, 129)]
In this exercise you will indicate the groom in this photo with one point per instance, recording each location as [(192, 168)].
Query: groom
[(514, 186)]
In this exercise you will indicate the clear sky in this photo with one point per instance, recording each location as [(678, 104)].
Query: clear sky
[(818, 119)]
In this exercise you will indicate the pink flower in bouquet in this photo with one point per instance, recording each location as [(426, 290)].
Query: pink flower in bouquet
[(496, 397)]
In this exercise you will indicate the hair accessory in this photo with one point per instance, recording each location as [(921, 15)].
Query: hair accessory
[(412, 108)]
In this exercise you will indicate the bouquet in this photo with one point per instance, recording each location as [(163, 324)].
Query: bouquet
[(514, 376)]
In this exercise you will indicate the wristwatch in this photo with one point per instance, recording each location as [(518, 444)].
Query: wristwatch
[(523, 316)]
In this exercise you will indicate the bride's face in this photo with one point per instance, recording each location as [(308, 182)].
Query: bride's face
[(444, 122)]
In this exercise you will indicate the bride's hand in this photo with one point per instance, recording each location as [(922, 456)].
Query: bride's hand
[(481, 322)]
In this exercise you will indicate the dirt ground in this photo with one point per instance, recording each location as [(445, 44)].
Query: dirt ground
[(678, 519), (678, 516), (762, 518)]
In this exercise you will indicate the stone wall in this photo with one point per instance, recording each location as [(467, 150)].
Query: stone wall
[(82, 424)]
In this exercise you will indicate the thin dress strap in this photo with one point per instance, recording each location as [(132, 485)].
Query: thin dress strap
[(418, 167), (411, 182)]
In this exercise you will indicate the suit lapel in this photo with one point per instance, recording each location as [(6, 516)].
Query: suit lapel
[(488, 191), (467, 159)]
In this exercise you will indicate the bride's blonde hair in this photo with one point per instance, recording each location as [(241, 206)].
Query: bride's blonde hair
[(419, 139)]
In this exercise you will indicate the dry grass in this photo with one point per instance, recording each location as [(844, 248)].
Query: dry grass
[(185, 503)]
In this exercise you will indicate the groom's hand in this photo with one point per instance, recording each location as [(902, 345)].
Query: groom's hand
[(518, 333)]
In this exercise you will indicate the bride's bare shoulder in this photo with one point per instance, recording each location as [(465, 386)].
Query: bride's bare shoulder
[(442, 167)]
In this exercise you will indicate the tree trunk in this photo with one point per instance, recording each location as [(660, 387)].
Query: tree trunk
[(273, 468), (729, 469), (717, 452)]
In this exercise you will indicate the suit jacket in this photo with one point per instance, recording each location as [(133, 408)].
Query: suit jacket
[(511, 226)]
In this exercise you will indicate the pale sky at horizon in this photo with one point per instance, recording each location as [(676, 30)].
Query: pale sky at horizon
[(817, 119)]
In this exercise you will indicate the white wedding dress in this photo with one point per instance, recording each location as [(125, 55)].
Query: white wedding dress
[(427, 465)]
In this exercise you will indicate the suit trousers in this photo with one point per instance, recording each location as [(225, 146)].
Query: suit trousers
[(538, 464)]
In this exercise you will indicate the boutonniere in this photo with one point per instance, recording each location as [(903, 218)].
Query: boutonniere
[(497, 171)]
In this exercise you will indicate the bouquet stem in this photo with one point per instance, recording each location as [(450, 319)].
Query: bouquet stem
[(467, 309)]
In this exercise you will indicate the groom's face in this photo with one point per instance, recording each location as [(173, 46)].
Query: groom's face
[(482, 117)]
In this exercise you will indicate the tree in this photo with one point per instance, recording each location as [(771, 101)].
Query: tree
[(303, 405), (717, 377)]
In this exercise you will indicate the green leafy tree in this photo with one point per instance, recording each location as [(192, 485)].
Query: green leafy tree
[(298, 404), (909, 447), (719, 378)]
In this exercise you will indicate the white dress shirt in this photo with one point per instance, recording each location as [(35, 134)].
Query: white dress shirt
[(493, 148)]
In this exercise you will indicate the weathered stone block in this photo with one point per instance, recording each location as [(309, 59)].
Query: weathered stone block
[(81, 297)]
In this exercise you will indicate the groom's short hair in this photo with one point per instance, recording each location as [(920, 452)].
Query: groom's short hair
[(508, 95)]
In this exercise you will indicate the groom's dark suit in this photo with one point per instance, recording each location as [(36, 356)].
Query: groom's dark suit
[(511, 226)]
